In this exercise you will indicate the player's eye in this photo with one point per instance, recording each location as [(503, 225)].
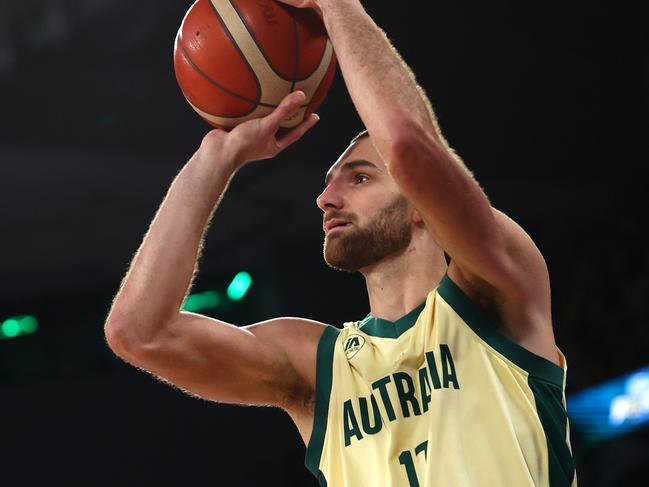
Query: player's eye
[(358, 178)]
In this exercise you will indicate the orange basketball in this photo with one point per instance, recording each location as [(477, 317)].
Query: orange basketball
[(237, 59)]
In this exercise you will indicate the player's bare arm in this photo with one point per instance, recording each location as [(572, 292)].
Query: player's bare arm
[(269, 363), (493, 259)]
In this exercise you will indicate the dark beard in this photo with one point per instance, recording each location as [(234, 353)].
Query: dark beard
[(356, 248)]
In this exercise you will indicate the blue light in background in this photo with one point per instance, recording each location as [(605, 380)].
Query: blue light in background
[(633, 406), (612, 408)]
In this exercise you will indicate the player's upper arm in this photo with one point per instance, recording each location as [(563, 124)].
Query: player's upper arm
[(517, 271), (268, 363), (485, 244)]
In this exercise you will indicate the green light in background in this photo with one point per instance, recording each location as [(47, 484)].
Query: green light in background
[(18, 325), (11, 328), (28, 324), (239, 286), (200, 301), (213, 299)]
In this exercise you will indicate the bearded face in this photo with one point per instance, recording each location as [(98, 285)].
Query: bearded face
[(357, 247)]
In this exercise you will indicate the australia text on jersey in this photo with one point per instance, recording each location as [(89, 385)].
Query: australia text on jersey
[(410, 402)]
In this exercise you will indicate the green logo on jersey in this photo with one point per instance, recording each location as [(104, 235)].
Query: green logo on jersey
[(353, 344)]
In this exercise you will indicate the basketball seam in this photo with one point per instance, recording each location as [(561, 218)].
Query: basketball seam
[(185, 54), (324, 50), (331, 65), (324, 61), (241, 54), (297, 53)]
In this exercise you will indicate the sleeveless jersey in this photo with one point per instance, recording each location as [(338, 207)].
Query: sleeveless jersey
[(440, 397)]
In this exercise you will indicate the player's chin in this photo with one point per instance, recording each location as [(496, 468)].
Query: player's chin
[(334, 255)]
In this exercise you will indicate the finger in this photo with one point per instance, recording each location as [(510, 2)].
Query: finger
[(289, 105), (297, 133)]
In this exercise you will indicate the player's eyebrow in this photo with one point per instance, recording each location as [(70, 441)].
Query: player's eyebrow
[(350, 166)]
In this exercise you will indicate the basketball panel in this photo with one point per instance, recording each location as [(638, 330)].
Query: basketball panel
[(312, 42), (203, 93), (206, 42), (322, 90), (311, 84), (273, 87), (273, 29)]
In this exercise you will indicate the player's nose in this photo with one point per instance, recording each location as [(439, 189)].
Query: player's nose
[(329, 198)]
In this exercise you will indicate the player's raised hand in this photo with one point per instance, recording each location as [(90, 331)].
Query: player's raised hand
[(261, 138)]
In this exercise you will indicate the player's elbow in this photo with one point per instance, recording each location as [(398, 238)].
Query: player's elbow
[(124, 340), (118, 339), (412, 154), (129, 328), (115, 340), (411, 144)]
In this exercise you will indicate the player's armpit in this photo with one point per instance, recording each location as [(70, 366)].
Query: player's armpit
[(268, 363), (523, 304)]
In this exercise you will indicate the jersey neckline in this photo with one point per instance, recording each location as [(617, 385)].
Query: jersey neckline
[(481, 325), (378, 327)]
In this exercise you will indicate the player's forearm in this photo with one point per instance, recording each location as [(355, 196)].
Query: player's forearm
[(383, 88), (404, 130), (160, 274)]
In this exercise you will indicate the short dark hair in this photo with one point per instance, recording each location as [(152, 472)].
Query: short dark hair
[(360, 136)]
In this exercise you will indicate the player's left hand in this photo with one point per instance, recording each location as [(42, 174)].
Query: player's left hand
[(261, 138)]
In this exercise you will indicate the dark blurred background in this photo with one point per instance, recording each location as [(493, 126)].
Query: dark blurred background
[(547, 102)]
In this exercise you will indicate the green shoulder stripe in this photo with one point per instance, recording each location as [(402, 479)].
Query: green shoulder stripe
[(483, 327), (324, 375)]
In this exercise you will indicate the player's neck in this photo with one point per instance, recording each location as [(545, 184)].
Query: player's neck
[(399, 284)]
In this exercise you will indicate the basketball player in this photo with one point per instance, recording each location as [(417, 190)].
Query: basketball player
[(452, 379)]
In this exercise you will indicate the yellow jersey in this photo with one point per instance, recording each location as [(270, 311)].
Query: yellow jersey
[(440, 397)]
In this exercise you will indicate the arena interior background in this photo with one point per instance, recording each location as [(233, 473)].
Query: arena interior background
[(547, 103)]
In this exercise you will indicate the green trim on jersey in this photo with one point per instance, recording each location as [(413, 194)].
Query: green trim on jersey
[(323, 382), (378, 327), (545, 380), (533, 364), (554, 420)]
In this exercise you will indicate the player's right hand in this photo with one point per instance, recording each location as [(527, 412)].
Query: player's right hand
[(258, 139)]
